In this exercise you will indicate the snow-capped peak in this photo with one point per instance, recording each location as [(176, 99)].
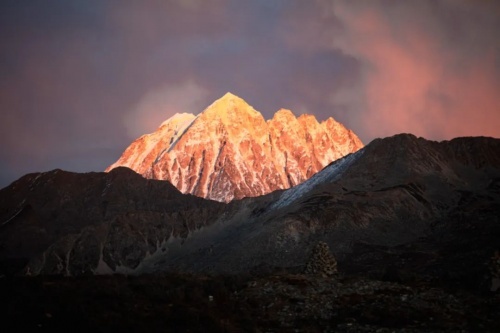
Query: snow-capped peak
[(228, 108), (229, 150)]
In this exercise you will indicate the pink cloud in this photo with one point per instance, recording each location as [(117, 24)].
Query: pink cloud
[(414, 79)]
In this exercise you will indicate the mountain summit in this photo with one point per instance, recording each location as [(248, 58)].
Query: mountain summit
[(229, 151)]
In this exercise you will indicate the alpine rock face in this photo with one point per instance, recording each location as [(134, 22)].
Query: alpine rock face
[(229, 151)]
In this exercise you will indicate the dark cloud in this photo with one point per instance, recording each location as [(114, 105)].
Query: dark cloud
[(79, 80)]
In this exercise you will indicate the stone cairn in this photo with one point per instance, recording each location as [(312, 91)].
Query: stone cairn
[(321, 261)]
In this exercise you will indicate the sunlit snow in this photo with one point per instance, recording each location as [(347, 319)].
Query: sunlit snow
[(328, 175)]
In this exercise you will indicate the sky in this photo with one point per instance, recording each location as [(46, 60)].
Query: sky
[(81, 79)]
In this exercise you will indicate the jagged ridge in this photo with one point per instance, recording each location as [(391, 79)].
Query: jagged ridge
[(230, 151)]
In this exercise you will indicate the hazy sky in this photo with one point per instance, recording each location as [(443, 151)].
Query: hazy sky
[(81, 79)]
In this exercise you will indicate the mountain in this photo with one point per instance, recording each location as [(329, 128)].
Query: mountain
[(400, 208), (230, 151), (39, 210)]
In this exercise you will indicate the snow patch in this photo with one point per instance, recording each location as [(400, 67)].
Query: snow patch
[(20, 209), (181, 129), (327, 175), (179, 118)]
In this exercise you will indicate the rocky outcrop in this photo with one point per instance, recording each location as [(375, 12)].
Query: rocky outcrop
[(229, 151), (321, 262)]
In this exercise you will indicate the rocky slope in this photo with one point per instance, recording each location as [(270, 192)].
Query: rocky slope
[(401, 207), (229, 151), (69, 214)]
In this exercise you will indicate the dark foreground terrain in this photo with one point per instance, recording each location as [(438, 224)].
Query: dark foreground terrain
[(281, 302)]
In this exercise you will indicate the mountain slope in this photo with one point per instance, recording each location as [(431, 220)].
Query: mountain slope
[(398, 198), (229, 151), (133, 214)]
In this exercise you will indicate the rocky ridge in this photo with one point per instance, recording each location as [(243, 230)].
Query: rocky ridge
[(230, 151), (115, 219)]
